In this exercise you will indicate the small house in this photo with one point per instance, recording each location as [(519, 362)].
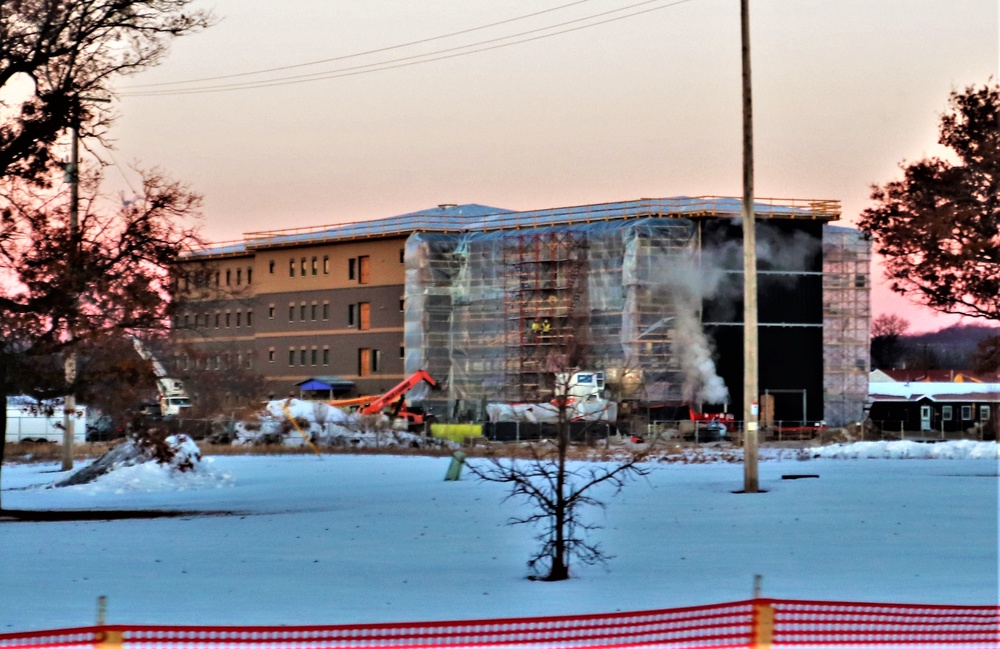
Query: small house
[(947, 408)]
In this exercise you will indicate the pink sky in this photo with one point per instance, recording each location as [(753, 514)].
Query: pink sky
[(644, 107)]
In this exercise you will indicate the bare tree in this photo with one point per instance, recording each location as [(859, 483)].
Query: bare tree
[(68, 52), (886, 347), (114, 274), (556, 490)]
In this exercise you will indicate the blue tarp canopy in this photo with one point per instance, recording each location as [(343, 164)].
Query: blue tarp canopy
[(325, 383)]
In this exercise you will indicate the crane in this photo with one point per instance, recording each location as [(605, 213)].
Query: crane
[(173, 398)]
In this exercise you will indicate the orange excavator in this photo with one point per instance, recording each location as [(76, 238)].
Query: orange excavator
[(373, 405)]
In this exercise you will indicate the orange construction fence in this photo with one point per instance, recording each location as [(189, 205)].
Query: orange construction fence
[(756, 624)]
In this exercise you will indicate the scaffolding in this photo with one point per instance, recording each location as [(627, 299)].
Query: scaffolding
[(494, 315), (499, 313), (846, 324)]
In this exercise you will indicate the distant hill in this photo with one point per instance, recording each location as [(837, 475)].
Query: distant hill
[(952, 347), (959, 335)]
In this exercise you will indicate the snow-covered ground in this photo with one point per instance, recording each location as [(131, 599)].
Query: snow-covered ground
[(361, 538)]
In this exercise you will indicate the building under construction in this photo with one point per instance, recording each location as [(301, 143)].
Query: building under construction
[(650, 293), (494, 303)]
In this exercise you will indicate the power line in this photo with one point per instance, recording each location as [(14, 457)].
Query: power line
[(360, 54), (419, 58)]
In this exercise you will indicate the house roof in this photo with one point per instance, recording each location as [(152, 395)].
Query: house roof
[(935, 391), (936, 376), (463, 218)]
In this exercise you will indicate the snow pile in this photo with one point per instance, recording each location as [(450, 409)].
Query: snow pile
[(153, 477), (905, 450), (154, 464), (323, 424)]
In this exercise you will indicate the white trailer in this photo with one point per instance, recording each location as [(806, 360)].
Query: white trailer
[(26, 423)]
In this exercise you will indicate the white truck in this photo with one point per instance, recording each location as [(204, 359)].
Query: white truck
[(174, 400)]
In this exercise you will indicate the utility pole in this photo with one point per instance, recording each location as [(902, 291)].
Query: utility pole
[(750, 342), (69, 363)]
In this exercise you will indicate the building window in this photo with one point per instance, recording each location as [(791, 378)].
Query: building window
[(239, 276), (946, 413), (291, 267), (364, 362), (291, 312), (302, 312), (984, 413), (228, 275), (326, 264), (249, 318), (402, 255), (239, 318), (402, 305), (187, 320), (376, 360), (217, 278), (363, 269), (364, 315), (315, 265), (270, 267), (351, 317), (402, 351), (249, 275), (270, 311), (303, 266), (326, 310), (227, 319), (313, 310), (314, 355), (966, 413), (217, 319), (352, 269), (291, 356), (270, 355), (302, 356), (326, 356)]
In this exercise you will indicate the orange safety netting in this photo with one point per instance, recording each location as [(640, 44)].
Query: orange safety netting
[(755, 623)]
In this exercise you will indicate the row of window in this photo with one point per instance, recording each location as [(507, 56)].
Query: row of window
[(984, 413), (225, 361), (358, 268), (358, 315), (369, 360), (203, 278), (222, 320)]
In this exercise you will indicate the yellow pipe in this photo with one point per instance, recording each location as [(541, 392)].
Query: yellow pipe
[(304, 436)]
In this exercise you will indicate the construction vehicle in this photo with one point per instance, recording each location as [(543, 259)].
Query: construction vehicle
[(414, 418), (173, 399)]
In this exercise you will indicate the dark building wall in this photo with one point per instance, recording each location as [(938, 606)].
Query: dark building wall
[(790, 312)]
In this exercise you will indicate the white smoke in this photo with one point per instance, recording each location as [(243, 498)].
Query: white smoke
[(688, 285)]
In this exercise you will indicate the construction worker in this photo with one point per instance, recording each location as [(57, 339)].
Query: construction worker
[(535, 327), (546, 326)]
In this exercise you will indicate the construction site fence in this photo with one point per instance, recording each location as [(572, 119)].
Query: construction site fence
[(756, 623)]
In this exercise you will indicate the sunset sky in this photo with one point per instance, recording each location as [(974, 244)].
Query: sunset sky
[(643, 106)]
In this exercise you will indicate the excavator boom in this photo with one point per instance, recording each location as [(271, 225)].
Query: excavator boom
[(398, 391)]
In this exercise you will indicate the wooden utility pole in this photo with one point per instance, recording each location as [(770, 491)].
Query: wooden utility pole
[(750, 345), (69, 363)]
